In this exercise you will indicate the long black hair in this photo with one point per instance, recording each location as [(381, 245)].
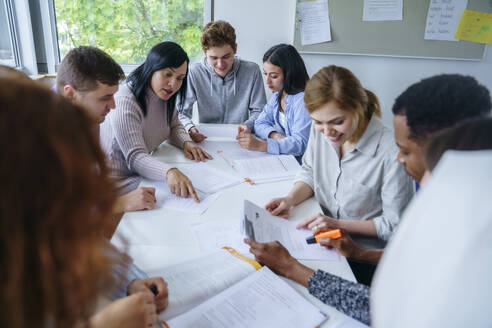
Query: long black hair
[(162, 55), (288, 59)]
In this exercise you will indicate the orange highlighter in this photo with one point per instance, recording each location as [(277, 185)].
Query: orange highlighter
[(332, 234)]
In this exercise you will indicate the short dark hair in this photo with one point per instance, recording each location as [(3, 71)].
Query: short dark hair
[(162, 55), (441, 101), (288, 59), (84, 66), (475, 134)]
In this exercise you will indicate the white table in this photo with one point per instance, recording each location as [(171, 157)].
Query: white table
[(162, 237)]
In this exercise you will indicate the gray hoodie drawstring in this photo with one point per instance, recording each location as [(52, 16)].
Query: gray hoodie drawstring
[(211, 84), (234, 82)]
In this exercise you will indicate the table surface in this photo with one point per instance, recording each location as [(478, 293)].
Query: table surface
[(162, 237)]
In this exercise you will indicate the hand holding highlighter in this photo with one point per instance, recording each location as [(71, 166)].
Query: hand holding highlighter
[(332, 234)]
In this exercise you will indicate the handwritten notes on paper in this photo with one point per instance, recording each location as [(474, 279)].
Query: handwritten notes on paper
[(475, 26), (315, 22), (443, 18), (382, 10)]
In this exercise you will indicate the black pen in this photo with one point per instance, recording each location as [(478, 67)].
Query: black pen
[(153, 289)]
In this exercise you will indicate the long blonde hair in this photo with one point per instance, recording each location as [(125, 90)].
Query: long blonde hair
[(338, 84)]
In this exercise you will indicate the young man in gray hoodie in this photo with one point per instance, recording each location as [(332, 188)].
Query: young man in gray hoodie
[(227, 89)]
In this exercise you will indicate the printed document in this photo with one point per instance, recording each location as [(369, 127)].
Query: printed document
[(314, 22), (258, 224), (261, 300), (166, 199), (383, 10), (267, 169), (208, 179), (192, 282)]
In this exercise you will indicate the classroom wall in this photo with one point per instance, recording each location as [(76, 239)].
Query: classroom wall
[(260, 24)]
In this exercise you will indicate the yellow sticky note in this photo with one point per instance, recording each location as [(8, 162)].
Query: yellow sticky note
[(475, 26)]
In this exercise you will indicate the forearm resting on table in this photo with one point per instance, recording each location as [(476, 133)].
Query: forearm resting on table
[(300, 192), (355, 227)]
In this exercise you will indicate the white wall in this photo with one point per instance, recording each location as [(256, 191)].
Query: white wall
[(260, 24)]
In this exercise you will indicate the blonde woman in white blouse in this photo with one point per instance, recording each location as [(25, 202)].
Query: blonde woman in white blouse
[(350, 164)]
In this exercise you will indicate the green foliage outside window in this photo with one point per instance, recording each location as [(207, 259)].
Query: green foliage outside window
[(127, 29)]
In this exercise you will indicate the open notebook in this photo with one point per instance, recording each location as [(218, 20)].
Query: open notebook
[(226, 289)]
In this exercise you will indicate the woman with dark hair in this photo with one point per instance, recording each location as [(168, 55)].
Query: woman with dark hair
[(145, 116), (284, 123)]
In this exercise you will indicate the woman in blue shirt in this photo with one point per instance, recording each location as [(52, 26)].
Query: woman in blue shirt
[(284, 123)]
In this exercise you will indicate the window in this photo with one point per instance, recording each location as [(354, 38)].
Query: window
[(127, 29), (6, 50)]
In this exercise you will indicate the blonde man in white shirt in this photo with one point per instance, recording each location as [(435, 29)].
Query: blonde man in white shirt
[(350, 164)]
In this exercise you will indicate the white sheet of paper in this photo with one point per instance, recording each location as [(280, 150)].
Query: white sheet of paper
[(207, 178), (315, 22), (267, 228), (166, 199), (267, 169), (443, 18), (222, 131), (193, 282), (383, 10), (212, 236), (230, 150), (260, 300)]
